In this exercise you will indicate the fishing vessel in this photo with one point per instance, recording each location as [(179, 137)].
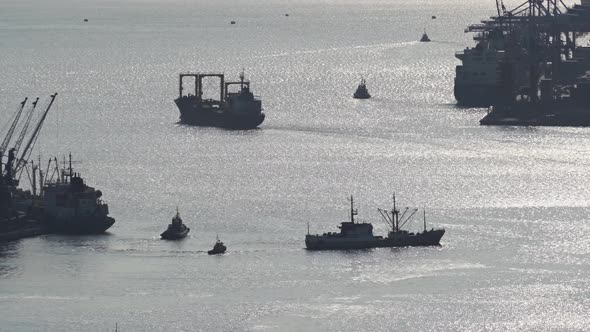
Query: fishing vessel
[(359, 235), (361, 91), (176, 230), (398, 237), (72, 207), (218, 248), (234, 109)]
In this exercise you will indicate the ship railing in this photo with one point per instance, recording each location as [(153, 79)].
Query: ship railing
[(201, 73)]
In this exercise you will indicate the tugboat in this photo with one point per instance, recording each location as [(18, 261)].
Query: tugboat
[(355, 235), (402, 238), (233, 110), (176, 230), (218, 248), (424, 37), (70, 206), (361, 92)]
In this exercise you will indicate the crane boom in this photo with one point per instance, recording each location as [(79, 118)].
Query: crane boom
[(23, 131), (8, 136), (21, 162)]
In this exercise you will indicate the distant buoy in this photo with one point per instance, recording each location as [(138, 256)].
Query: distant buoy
[(85, 20), (286, 14), (232, 22)]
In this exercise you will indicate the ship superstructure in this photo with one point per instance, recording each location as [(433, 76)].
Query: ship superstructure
[(352, 235), (71, 206)]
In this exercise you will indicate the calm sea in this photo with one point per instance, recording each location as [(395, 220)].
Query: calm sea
[(514, 201)]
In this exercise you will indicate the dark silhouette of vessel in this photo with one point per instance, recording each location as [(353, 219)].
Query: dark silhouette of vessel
[(218, 248), (353, 235), (424, 37), (72, 207), (356, 235), (16, 224), (234, 110), (399, 237), (361, 91), (176, 230)]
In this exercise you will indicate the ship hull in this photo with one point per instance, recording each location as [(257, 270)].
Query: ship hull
[(80, 225), (15, 228), (216, 252), (170, 235), (428, 238), (553, 114), (315, 243), (192, 113), (474, 95)]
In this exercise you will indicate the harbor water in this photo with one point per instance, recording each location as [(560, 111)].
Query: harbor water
[(513, 200)]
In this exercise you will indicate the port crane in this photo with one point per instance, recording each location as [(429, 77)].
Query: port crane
[(15, 165), (12, 127)]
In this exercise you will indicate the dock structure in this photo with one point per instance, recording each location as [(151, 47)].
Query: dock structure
[(541, 70)]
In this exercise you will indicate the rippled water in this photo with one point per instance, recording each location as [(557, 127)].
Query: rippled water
[(513, 200)]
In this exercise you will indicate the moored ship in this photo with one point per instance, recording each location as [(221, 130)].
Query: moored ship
[(70, 206), (531, 65), (479, 77), (355, 235), (234, 110), (20, 213)]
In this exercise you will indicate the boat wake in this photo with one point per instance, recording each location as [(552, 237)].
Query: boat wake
[(340, 49)]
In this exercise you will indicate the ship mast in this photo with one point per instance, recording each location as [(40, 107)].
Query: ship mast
[(242, 76), (353, 211), (395, 216), (70, 166)]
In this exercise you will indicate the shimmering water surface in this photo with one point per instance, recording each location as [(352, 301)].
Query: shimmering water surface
[(514, 201)]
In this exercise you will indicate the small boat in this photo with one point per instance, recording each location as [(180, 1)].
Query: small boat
[(424, 37), (218, 248), (362, 92), (287, 15), (176, 230), (85, 20), (232, 22), (434, 17)]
